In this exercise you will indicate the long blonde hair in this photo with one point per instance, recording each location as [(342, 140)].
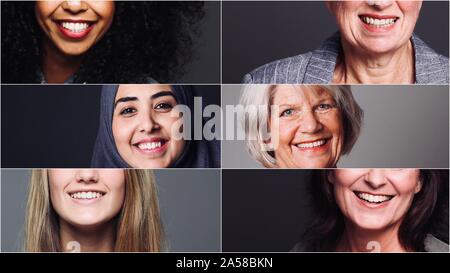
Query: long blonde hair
[(139, 227)]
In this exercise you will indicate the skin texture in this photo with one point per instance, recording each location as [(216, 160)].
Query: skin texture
[(147, 116), (63, 54), (373, 55), (378, 222), (88, 222), (306, 114)]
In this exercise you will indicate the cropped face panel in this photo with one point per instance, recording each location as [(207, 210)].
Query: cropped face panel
[(145, 124), (73, 27), (376, 26), (310, 131), (374, 199), (87, 197)]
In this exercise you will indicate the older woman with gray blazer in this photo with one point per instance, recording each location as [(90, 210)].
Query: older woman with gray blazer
[(375, 45)]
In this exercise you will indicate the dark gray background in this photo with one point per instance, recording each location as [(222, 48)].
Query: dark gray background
[(189, 202), (56, 125), (205, 68), (255, 32), (264, 210), (404, 126)]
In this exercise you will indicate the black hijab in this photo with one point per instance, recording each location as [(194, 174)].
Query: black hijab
[(196, 153)]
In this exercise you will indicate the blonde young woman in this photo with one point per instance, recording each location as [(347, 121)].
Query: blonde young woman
[(92, 210)]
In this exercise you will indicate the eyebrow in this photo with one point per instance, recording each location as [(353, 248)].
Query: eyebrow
[(162, 94), (154, 96), (125, 99)]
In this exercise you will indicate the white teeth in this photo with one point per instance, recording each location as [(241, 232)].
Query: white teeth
[(378, 22), (373, 198), (149, 145), (75, 27), (86, 195), (312, 144)]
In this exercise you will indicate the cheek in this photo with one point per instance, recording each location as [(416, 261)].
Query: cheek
[(178, 147), (45, 8), (55, 195), (115, 181), (410, 8), (104, 9), (340, 11), (286, 131), (406, 186), (333, 124), (170, 124), (345, 178), (122, 131)]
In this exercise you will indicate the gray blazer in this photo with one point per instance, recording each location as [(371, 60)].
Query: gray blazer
[(317, 67)]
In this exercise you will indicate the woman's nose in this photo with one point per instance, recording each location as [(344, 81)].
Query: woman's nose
[(147, 124), (74, 6), (380, 4), (309, 124), (87, 175), (376, 178)]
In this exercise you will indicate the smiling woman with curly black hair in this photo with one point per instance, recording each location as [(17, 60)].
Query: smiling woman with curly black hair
[(97, 41)]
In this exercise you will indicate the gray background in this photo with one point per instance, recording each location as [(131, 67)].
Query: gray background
[(255, 32), (205, 68), (264, 210), (189, 202), (404, 126)]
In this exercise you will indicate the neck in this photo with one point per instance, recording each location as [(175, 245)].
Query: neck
[(98, 239), (392, 67), (57, 67), (356, 239)]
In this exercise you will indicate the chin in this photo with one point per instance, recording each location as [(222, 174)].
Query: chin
[(380, 47), (88, 222), (150, 164), (312, 165), (73, 51), (370, 224)]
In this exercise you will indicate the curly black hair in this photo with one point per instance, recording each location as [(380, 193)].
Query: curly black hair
[(151, 39)]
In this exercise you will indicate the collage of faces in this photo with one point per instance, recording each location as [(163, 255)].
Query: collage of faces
[(225, 126)]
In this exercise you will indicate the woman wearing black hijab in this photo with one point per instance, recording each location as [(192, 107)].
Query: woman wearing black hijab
[(137, 129)]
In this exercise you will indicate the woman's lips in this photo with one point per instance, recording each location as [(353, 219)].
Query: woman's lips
[(315, 147), (75, 29), (378, 23), (373, 200), (153, 147)]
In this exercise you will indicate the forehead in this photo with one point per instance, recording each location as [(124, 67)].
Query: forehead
[(141, 90), (304, 93)]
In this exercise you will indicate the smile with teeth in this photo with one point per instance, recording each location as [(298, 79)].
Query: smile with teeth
[(150, 145), (378, 22), (86, 195), (375, 199), (75, 27), (314, 144)]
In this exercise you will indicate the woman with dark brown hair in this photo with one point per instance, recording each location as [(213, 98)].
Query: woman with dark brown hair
[(379, 210)]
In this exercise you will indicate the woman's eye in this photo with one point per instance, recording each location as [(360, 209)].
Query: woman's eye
[(127, 111), (163, 106), (324, 107), (287, 113)]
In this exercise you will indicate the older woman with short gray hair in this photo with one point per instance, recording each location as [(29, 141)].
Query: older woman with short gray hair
[(300, 126)]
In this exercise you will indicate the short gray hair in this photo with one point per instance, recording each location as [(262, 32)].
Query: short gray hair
[(262, 94)]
